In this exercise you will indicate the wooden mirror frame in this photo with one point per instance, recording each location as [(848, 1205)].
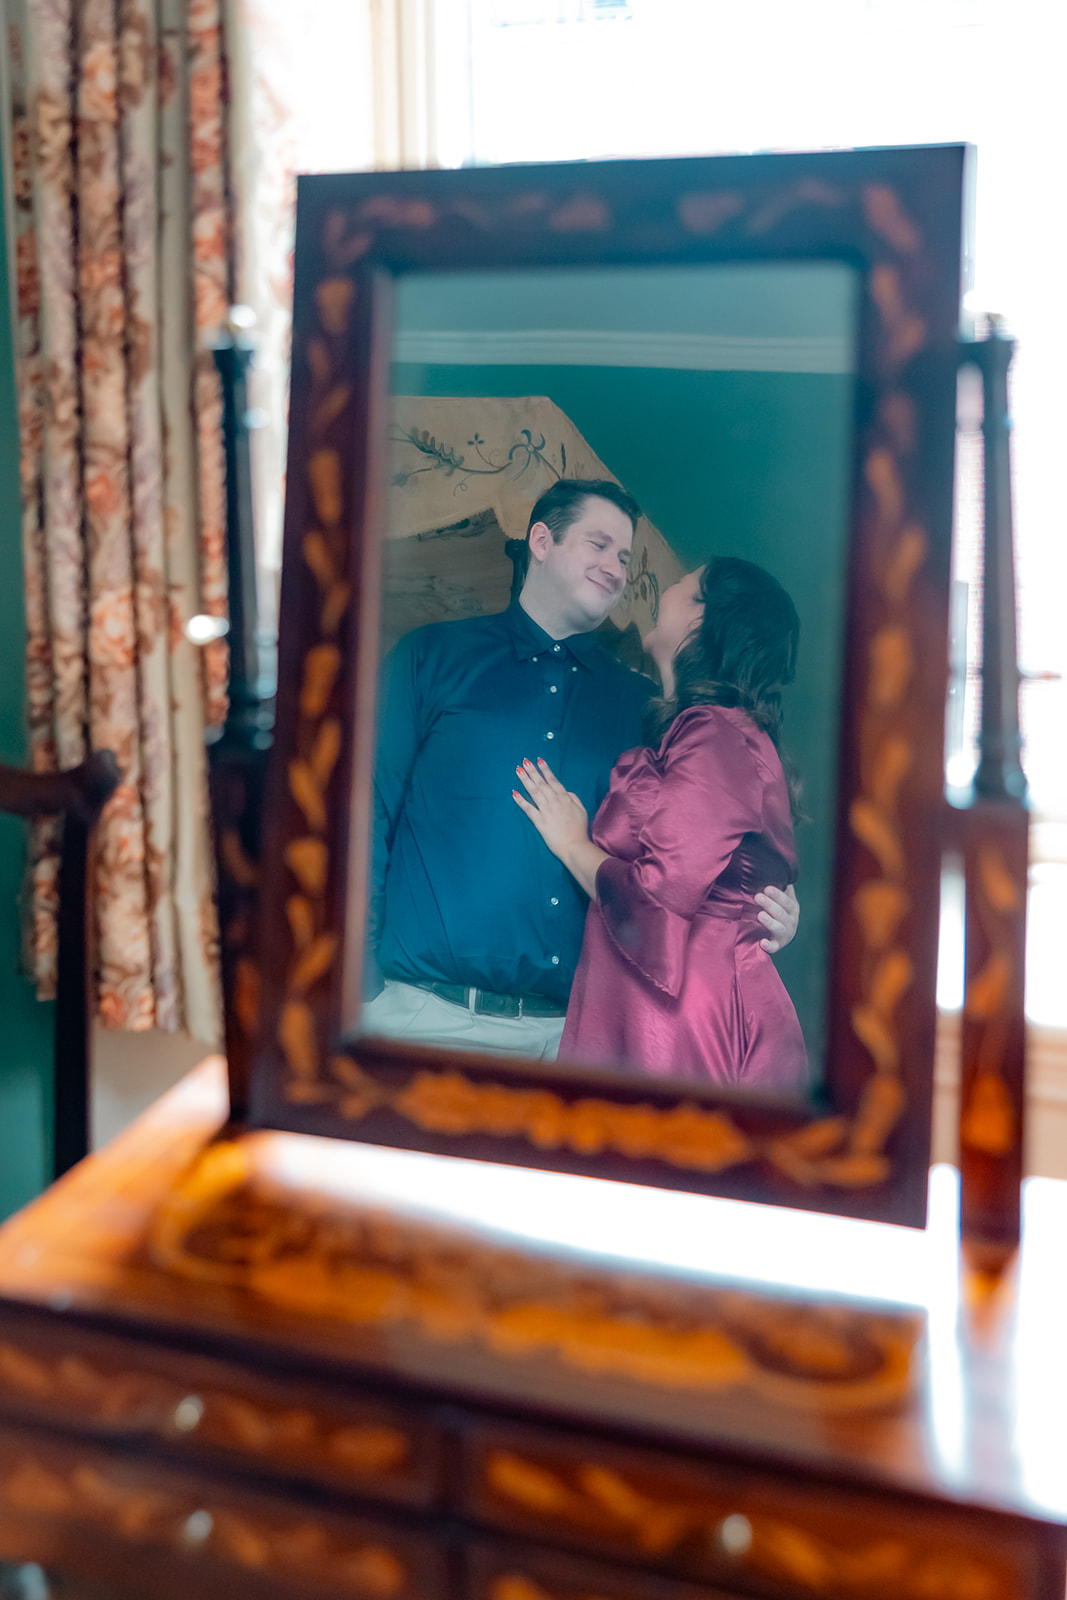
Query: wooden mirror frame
[(896, 216)]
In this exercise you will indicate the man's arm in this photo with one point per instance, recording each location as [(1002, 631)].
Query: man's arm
[(397, 747)]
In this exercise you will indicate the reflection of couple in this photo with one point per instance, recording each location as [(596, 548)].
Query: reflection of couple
[(477, 926)]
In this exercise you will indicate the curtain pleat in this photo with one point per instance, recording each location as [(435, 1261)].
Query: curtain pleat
[(212, 296), (118, 177)]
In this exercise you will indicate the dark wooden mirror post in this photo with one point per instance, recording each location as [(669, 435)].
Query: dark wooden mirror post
[(992, 832), (237, 758)]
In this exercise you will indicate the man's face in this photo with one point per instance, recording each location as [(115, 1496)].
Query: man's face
[(586, 571)]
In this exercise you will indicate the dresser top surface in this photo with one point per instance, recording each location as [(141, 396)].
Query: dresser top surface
[(857, 1349)]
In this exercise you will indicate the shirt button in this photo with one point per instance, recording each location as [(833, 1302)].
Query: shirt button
[(537, 658), (554, 901), (552, 688), (555, 649), (574, 669), (550, 735), (555, 961)]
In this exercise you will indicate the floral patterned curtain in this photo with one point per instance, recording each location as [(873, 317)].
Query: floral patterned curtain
[(119, 176)]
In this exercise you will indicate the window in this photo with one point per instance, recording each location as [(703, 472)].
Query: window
[(696, 77)]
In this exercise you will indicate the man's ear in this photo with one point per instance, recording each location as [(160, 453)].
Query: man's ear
[(539, 540)]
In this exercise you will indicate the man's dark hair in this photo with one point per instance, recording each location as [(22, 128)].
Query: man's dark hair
[(564, 503), (557, 508)]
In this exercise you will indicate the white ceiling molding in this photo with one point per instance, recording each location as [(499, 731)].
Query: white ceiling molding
[(593, 347)]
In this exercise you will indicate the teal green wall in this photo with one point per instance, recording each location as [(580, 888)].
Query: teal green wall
[(780, 300), (25, 1022), (732, 463)]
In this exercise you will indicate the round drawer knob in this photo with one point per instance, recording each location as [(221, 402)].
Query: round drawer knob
[(197, 1528), (188, 1413), (734, 1536)]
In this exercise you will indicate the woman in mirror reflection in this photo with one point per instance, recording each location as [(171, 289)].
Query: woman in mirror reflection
[(672, 980)]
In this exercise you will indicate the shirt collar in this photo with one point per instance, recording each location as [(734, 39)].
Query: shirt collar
[(531, 640)]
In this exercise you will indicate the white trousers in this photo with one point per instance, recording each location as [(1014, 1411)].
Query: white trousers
[(404, 1011)]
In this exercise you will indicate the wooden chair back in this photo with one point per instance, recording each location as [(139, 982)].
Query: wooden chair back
[(77, 796)]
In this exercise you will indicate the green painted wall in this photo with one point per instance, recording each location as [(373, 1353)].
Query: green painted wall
[(732, 463), (26, 1028), (765, 299)]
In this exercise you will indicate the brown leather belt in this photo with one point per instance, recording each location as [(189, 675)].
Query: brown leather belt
[(486, 1004)]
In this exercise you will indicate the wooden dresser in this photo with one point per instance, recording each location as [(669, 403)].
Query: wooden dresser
[(246, 1364)]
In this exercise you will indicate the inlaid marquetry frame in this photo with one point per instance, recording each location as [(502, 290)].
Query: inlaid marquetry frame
[(897, 217)]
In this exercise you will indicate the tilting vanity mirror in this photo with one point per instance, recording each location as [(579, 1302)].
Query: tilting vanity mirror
[(542, 419)]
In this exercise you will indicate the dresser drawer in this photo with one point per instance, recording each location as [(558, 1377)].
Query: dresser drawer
[(502, 1570), (748, 1530), (146, 1528), (199, 1408)]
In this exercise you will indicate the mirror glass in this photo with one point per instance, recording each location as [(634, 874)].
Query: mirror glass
[(721, 399)]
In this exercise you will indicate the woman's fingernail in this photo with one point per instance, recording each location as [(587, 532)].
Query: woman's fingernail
[(528, 763), (515, 794), (519, 771)]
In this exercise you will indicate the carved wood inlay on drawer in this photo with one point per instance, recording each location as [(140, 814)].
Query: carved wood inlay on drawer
[(195, 1404), (137, 1512), (738, 1525)]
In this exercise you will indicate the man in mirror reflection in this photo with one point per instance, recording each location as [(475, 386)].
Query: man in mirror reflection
[(475, 925)]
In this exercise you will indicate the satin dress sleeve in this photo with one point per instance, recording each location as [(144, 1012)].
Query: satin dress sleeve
[(708, 799), (672, 981)]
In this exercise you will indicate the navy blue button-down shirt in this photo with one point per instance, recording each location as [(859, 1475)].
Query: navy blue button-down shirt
[(465, 890)]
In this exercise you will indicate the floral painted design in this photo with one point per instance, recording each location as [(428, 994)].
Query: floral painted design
[(123, 262)]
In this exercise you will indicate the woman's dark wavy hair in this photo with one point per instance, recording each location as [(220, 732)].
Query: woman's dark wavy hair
[(743, 653)]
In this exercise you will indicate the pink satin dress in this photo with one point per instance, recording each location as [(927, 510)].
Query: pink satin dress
[(672, 981)]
